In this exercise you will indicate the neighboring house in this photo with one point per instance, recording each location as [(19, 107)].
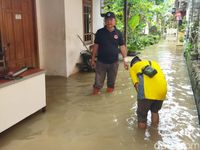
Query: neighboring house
[(192, 48), (181, 5), (43, 33)]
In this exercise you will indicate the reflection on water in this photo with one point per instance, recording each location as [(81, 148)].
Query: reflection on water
[(76, 120)]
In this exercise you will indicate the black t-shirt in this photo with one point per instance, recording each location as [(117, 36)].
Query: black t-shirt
[(109, 43)]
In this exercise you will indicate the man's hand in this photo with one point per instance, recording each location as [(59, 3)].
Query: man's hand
[(93, 63), (94, 53), (126, 65), (124, 54)]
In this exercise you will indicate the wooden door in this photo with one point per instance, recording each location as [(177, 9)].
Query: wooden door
[(17, 26)]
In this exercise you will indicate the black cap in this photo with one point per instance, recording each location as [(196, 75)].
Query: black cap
[(109, 15), (134, 60)]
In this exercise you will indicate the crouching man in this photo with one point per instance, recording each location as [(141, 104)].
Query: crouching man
[(151, 86)]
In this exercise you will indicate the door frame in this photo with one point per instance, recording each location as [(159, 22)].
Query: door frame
[(35, 30)]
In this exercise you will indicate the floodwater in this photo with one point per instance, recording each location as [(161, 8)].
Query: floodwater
[(76, 120)]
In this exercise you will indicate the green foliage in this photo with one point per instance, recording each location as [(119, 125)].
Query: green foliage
[(138, 42), (189, 51), (153, 30), (141, 14), (134, 43), (134, 21), (183, 25), (157, 2), (189, 47)]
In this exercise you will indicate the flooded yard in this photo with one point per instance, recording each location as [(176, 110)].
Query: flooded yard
[(77, 120)]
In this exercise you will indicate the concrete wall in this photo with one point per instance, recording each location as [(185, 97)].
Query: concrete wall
[(59, 22), (193, 55), (51, 36)]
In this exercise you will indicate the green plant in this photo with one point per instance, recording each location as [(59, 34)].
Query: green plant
[(189, 47), (142, 15), (181, 39), (140, 41), (153, 30)]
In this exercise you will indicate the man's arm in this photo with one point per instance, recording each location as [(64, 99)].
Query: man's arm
[(94, 54), (134, 77), (124, 54), (136, 86)]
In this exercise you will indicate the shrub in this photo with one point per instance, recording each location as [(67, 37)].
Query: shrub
[(140, 41)]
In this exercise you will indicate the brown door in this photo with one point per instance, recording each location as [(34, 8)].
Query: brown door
[(17, 26)]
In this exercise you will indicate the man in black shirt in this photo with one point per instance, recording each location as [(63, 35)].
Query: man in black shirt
[(108, 41)]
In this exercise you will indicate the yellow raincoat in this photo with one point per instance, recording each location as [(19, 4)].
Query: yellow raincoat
[(154, 88)]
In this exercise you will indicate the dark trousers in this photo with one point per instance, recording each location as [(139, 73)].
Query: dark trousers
[(102, 70), (145, 105)]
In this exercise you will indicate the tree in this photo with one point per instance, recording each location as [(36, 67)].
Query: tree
[(141, 14)]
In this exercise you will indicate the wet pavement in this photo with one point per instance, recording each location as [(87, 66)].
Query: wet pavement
[(76, 120)]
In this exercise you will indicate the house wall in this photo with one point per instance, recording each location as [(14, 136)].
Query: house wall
[(73, 27), (192, 55), (98, 21), (51, 36), (59, 22)]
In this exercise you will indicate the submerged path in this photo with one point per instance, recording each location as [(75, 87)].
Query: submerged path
[(75, 120)]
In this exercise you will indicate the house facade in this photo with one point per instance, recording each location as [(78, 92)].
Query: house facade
[(44, 33), (59, 23), (192, 47), (41, 34)]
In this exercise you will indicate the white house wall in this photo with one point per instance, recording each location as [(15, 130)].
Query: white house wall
[(59, 22), (97, 19), (74, 27), (51, 36)]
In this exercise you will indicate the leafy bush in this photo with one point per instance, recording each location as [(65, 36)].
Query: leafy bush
[(189, 46), (140, 41)]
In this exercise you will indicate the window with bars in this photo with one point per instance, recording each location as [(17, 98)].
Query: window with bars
[(87, 21)]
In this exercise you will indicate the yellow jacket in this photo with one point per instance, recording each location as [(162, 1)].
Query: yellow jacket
[(154, 88)]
